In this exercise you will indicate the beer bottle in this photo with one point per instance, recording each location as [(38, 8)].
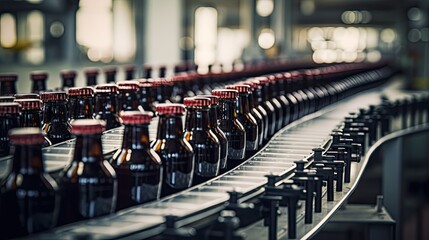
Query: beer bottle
[(146, 93), (147, 71), (9, 119), (68, 79), (162, 71), (279, 101), (204, 142), (176, 153), (256, 114), (231, 126), (138, 167), (83, 98), (29, 196), (128, 98), (129, 71), (91, 75), (106, 105), (39, 79), (8, 84), (283, 92), (55, 124), (273, 110), (257, 100), (110, 72), (88, 183), (292, 90)]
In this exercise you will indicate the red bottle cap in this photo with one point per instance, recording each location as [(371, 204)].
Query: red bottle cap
[(106, 88), (26, 136), (91, 72), (225, 93), (197, 101), (87, 126), (53, 96), (6, 98), (136, 117), (81, 91), (68, 74), (262, 80), (146, 84), (9, 108), (158, 82), (170, 108), (128, 85), (27, 96), (8, 77), (30, 104), (38, 75), (214, 100), (241, 88)]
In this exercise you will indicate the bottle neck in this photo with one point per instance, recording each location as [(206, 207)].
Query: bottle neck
[(136, 137), (91, 81), (7, 88), (83, 108), (30, 118), (265, 92), (170, 127), (251, 100), (227, 109), (105, 103), (146, 99), (27, 159), (39, 86), (213, 116), (68, 82), (88, 148), (197, 119), (243, 103), (55, 112)]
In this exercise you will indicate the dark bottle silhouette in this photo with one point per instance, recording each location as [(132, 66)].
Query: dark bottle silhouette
[(260, 120), (68, 79), (83, 102), (276, 96), (110, 73), (146, 93), (29, 196), (30, 115), (292, 90), (27, 96), (9, 119), (231, 126), (91, 75), (162, 71), (204, 142), (264, 101), (8, 84), (38, 79), (55, 124), (129, 71), (88, 183), (246, 117), (176, 153), (137, 165), (128, 95), (258, 108), (106, 105), (214, 105), (283, 92), (147, 71)]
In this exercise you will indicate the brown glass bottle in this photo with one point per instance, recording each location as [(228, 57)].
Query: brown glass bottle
[(271, 104), (88, 183), (214, 105), (83, 98), (9, 119), (293, 104), (246, 117), (292, 90), (128, 95), (129, 71), (55, 124), (68, 79), (110, 72), (145, 95), (138, 167), (260, 119), (176, 153), (8, 84), (38, 79), (204, 142), (91, 75), (106, 105), (147, 71), (266, 105), (29, 196), (231, 126), (280, 98)]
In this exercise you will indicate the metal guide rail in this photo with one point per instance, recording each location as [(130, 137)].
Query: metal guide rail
[(294, 142)]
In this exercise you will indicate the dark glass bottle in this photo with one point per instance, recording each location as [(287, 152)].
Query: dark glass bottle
[(82, 107), (280, 98), (29, 196), (55, 124), (88, 183), (110, 73), (68, 79), (30, 115), (271, 103), (214, 105), (292, 89), (39, 79), (147, 71), (204, 142), (266, 105), (138, 167), (9, 119), (297, 81), (6, 99), (129, 71), (176, 153), (8, 84), (146, 94), (27, 96), (128, 95), (246, 117), (91, 75), (292, 101), (162, 71), (106, 105), (260, 119), (231, 126)]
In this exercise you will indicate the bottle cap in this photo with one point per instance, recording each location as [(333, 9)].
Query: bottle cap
[(38, 75), (9, 108), (214, 100), (68, 74), (225, 93), (128, 85), (136, 117), (87, 126), (53, 96), (170, 108), (146, 83), (81, 91), (106, 88), (197, 101), (26, 136), (27, 96), (30, 104), (241, 88), (262, 80), (6, 98), (91, 72), (8, 77)]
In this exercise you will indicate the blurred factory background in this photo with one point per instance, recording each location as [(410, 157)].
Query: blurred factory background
[(41, 34)]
